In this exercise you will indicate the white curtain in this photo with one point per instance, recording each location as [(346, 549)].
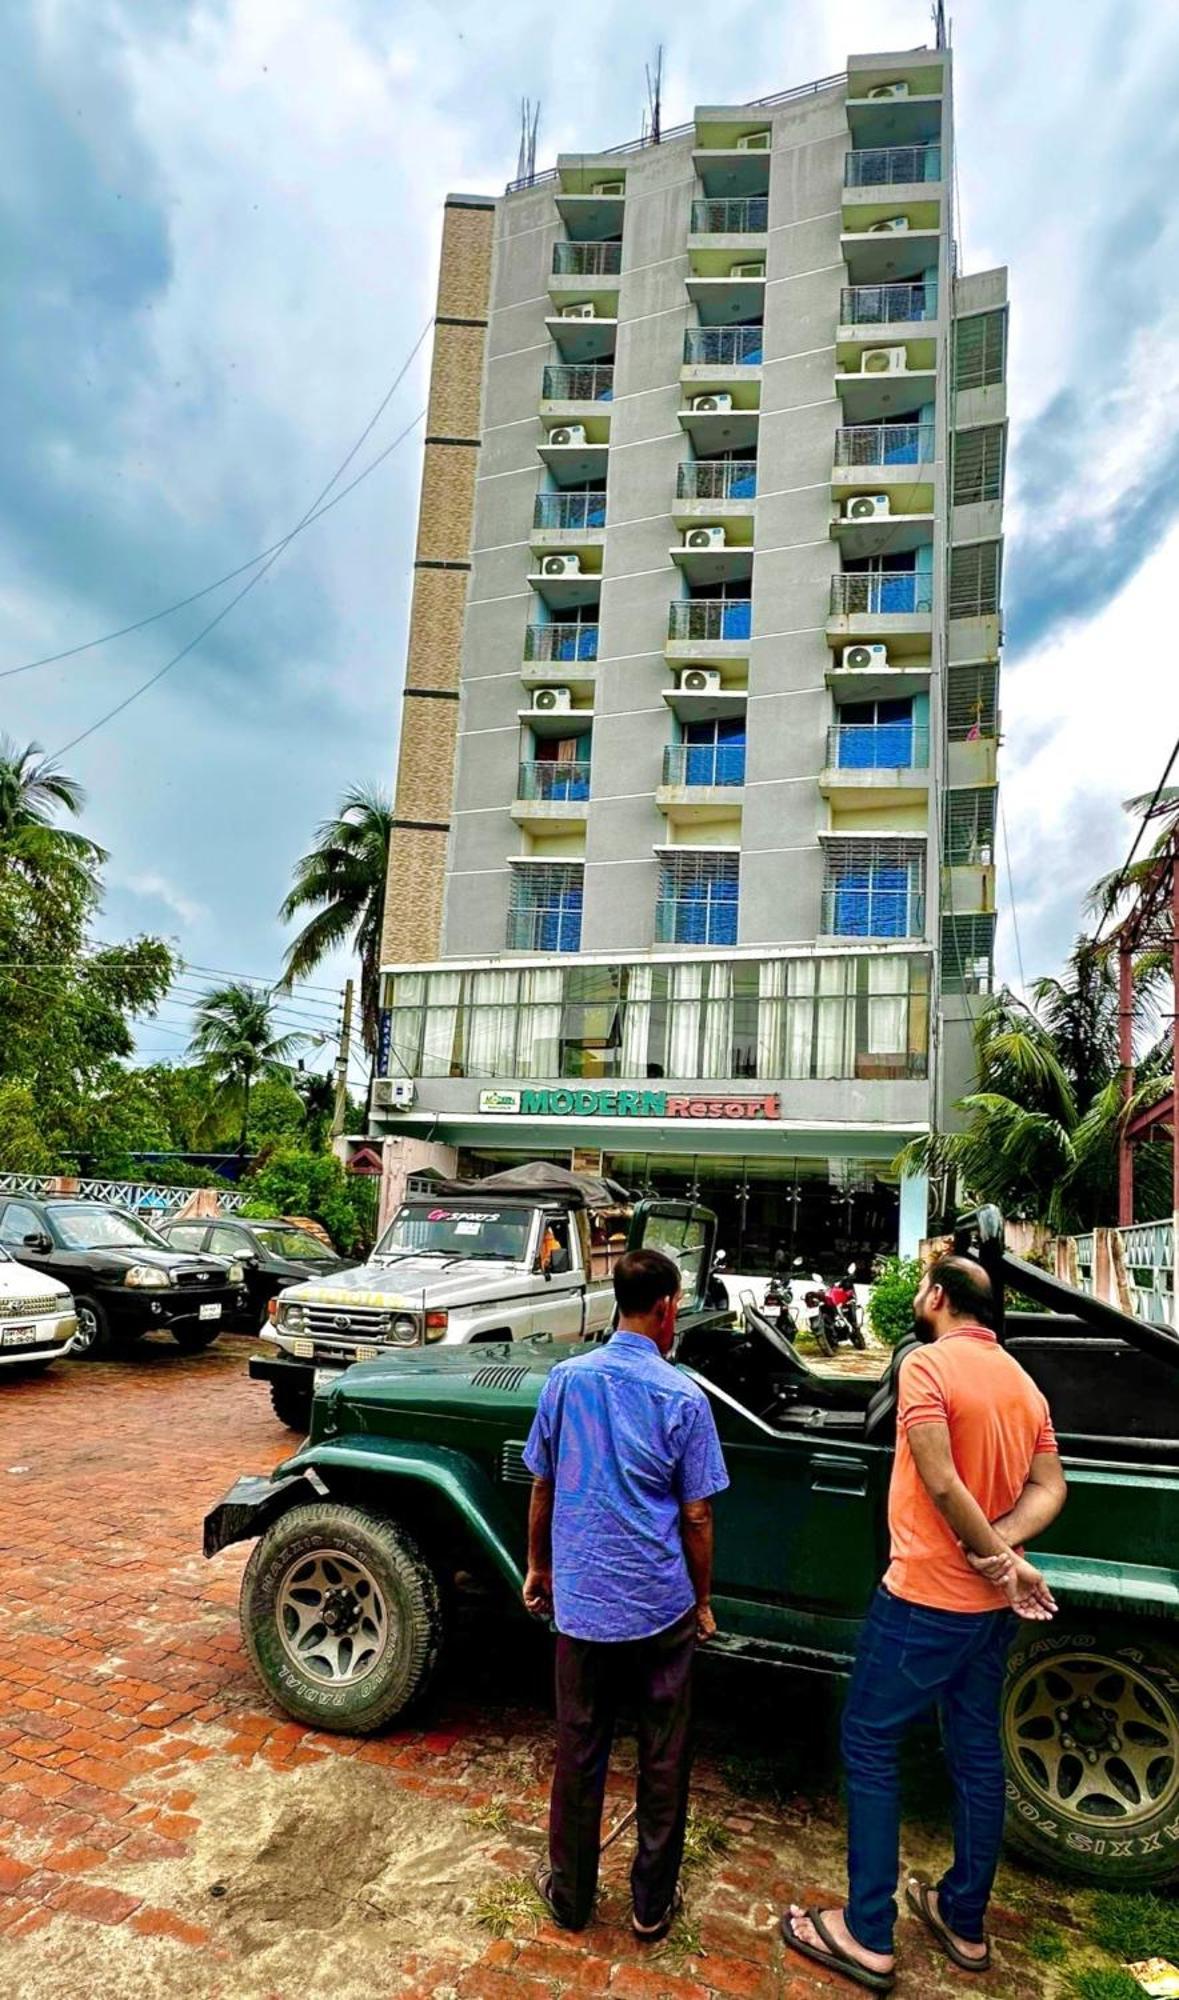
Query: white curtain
[(888, 1010), (491, 1023), (443, 993), (717, 1056), (539, 1053), (836, 1041), (405, 1023), (636, 1021), (683, 1020), (771, 984), (800, 1016)]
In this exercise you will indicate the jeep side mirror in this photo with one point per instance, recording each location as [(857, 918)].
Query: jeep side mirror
[(37, 1240)]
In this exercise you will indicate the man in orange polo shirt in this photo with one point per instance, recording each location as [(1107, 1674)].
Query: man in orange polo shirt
[(976, 1475)]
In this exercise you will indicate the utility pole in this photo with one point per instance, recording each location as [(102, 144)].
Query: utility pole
[(339, 1115)]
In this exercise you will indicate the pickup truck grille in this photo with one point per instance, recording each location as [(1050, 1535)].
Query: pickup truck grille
[(512, 1469), (346, 1323), (34, 1308)]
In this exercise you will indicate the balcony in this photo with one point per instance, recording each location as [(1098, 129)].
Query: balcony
[(870, 394), (897, 459), (884, 758), (587, 260), (567, 580), (709, 765), (551, 791), (724, 288), (876, 255), (873, 888), (577, 452), (892, 166), (887, 305), (888, 679), (721, 405), (708, 628), (723, 347), (709, 704), (551, 923), (716, 552), (893, 606), (561, 653), (748, 217), (591, 382), (730, 170), (569, 513), (912, 119), (862, 529), (717, 491), (586, 274), (557, 725), (579, 337), (591, 217)]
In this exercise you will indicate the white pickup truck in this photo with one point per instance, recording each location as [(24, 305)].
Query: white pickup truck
[(37, 1320)]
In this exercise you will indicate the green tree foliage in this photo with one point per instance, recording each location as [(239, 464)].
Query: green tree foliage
[(236, 1040), (890, 1302), (50, 858), (342, 880), (294, 1181)]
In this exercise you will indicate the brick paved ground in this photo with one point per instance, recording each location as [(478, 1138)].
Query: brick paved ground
[(165, 1831)]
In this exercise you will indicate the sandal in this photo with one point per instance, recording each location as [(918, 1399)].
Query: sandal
[(917, 1895), (542, 1882), (657, 1932), (834, 1957)]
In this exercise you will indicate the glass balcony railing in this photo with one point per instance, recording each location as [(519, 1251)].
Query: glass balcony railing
[(561, 642), (558, 780), (885, 444), (886, 305), (710, 618), (704, 764), (870, 908), (696, 920), (731, 218), (717, 479), (723, 346), (892, 166), (592, 382), (587, 260), (569, 510), (554, 927), (880, 592), (878, 746)]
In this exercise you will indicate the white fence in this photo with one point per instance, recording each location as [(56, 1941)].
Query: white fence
[(138, 1195), (1146, 1255)]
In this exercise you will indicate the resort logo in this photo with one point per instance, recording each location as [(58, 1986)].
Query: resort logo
[(499, 1100), (626, 1104)]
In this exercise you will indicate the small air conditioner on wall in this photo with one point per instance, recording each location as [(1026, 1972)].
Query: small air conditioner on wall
[(754, 142), (586, 311), (393, 1093), (710, 404), (866, 507), (883, 91), (568, 434), (699, 680), (704, 538), (863, 659), (608, 187), (885, 361), (566, 565), (754, 269), (552, 701), (889, 225)]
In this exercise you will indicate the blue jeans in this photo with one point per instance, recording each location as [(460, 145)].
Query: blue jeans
[(908, 1660)]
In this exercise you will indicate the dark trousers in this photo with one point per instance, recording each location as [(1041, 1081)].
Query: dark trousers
[(654, 1676), (909, 1660)]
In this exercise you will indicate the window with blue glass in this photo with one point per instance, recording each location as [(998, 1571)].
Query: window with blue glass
[(877, 736), (731, 602), (884, 583), (874, 888), (698, 898), (713, 753), (545, 912)]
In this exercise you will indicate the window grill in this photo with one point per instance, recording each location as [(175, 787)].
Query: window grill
[(569, 382), (980, 349), (873, 888), (972, 703), (569, 510), (723, 346), (884, 444), (545, 909), (974, 579), (568, 640), (979, 457), (968, 837), (730, 218), (891, 166), (697, 899), (968, 946), (587, 260), (717, 479)]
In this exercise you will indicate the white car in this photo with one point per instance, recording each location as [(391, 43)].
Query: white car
[(37, 1319)]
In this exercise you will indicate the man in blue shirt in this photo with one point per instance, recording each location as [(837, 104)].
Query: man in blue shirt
[(625, 1460)]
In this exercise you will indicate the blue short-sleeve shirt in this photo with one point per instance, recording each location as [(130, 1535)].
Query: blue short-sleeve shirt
[(626, 1440)]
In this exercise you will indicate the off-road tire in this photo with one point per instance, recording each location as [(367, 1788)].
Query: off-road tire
[(292, 1406), (101, 1344), (194, 1340), (412, 1615), (1114, 1819)]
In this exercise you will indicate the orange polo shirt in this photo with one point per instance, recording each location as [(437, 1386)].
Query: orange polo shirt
[(998, 1420)]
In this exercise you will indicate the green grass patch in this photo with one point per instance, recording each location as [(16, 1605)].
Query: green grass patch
[(1046, 1944), (1094, 1983), (507, 1906), (681, 1943), (707, 1836), (494, 1817), (1134, 1927)]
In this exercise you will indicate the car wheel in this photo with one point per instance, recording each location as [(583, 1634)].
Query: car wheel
[(342, 1617), (93, 1338), (194, 1340), (1091, 1739), (292, 1406)]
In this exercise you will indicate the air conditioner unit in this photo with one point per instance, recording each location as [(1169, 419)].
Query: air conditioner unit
[(568, 434), (704, 538), (393, 1093), (889, 225), (699, 680), (751, 270), (567, 565), (586, 311), (552, 701), (720, 401), (866, 507), (863, 659), (883, 91), (885, 361), (755, 142), (608, 187)]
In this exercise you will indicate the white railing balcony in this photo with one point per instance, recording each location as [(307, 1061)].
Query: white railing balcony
[(749, 217), (710, 618), (587, 260), (569, 511), (559, 781), (891, 166), (877, 746), (717, 479), (887, 305), (706, 764), (562, 641), (884, 444), (591, 382), (723, 346), (880, 593)]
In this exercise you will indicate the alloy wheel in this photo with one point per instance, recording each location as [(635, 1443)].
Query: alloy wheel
[(1093, 1739), (332, 1618)]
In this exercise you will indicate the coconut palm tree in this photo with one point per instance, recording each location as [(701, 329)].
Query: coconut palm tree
[(236, 1039), (32, 791), (343, 880)]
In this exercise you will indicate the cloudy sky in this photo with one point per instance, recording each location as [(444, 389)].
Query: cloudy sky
[(221, 225)]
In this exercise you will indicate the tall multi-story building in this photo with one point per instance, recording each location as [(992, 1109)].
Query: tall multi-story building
[(694, 863)]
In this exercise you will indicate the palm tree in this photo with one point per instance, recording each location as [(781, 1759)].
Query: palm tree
[(32, 791), (343, 880), (235, 1037)]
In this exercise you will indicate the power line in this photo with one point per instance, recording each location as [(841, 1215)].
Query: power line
[(275, 548)]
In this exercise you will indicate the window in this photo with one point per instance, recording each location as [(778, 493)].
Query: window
[(979, 456), (874, 888), (712, 753), (545, 913), (980, 349), (968, 945), (230, 1243), (187, 1235), (974, 579), (16, 1223), (972, 703), (878, 735), (969, 838)]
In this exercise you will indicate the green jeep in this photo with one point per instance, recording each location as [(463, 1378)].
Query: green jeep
[(413, 1477)]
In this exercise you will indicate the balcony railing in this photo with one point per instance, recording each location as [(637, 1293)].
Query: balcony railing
[(593, 382), (891, 166), (696, 920), (587, 260), (872, 910), (723, 346), (880, 592), (878, 746), (569, 510), (731, 218), (717, 479), (566, 641), (884, 444), (704, 764), (554, 928), (559, 780), (886, 305), (710, 618)]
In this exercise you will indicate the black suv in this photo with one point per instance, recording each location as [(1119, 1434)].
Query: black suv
[(273, 1254), (126, 1280)]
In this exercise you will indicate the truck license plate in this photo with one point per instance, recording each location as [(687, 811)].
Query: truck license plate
[(19, 1336), (210, 1311)]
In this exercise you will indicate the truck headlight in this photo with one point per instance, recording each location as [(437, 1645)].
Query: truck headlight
[(290, 1318), (404, 1329), (235, 1274), (148, 1278)]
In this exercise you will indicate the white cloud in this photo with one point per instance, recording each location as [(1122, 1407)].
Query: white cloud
[(157, 889)]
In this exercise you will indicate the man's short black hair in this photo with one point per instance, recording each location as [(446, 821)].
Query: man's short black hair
[(967, 1287), (641, 1279)]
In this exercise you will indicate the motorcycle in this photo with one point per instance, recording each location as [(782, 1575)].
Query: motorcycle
[(835, 1315), (778, 1305)]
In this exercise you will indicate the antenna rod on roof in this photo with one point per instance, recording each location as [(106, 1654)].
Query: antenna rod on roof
[(526, 158), (655, 97), (939, 22)]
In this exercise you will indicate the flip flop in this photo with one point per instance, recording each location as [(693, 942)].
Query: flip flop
[(834, 1957), (917, 1894), (542, 1882), (659, 1931)]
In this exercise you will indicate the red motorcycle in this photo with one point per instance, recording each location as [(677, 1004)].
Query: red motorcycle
[(835, 1316)]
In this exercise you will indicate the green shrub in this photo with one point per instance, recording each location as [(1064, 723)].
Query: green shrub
[(291, 1181), (890, 1302)]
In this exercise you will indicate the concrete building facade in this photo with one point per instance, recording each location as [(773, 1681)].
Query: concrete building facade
[(697, 875)]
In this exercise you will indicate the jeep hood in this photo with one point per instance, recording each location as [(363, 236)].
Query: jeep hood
[(464, 1383), (407, 1282)]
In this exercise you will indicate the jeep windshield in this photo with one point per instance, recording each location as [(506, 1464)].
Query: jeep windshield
[(449, 1229)]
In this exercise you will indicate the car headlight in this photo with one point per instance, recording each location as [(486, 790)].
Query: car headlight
[(290, 1318), (148, 1278), (236, 1273), (404, 1329)]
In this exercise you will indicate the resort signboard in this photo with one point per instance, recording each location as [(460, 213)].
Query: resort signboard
[(621, 1102)]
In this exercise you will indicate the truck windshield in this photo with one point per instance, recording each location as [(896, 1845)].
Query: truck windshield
[(450, 1230)]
